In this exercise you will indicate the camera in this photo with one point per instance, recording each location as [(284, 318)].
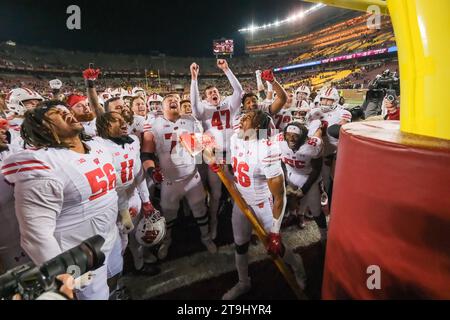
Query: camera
[(31, 281), (387, 81)]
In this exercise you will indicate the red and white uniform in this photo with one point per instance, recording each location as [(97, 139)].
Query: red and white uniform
[(137, 127), (331, 118), (298, 169), (62, 198), (175, 162), (11, 253), (254, 162), (217, 121), (283, 118), (265, 106), (128, 166)]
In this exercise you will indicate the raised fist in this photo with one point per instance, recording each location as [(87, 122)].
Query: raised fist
[(195, 68), (222, 64), (91, 74), (267, 75)]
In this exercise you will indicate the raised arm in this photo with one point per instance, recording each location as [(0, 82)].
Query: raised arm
[(281, 98), (90, 76), (196, 101), (234, 82)]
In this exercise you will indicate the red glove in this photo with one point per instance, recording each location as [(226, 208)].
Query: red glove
[(91, 74), (267, 75), (147, 209), (133, 212), (274, 246), (157, 175), (4, 124), (214, 167)]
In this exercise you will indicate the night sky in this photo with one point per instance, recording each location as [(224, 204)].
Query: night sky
[(174, 27)]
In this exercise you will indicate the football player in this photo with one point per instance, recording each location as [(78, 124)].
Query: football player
[(181, 178), (64, 190), (216, 114), (260, 180), (302, 158), (81, 110)]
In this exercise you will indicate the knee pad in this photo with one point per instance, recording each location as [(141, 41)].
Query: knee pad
[(241, 249)]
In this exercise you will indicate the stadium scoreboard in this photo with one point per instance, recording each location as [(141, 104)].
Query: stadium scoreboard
[(223, 47)]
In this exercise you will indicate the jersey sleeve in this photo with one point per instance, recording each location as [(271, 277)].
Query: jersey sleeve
[(313, 127), (27, 165), (315, 146)]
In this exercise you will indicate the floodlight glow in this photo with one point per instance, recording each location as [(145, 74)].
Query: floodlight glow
[(277, 23)]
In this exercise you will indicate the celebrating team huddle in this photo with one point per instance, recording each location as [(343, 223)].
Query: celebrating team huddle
[(77, 166)]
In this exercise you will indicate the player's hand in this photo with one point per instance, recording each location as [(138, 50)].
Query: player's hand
[(274, 245), (91, 74), (133, 212), (267, 75), (157, 175), (126, 221), (222, 64), (195, 69), (147, 209), (290, 190)]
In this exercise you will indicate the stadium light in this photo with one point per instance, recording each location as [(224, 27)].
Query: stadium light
[(300, 15)]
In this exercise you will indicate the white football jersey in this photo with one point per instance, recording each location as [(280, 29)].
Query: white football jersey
[(254, 162), (84, 194), (218, 122), (331, 118), (264, 107), (137, 127), (298, 163), (11, 254), (127, 163), (90, 127), (283, 118), (175, 161)]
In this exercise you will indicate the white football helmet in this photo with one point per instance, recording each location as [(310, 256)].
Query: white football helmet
[(15, 100), (301, 111), (155, 225), (302, 89), (154, 102), (55, 84), (138, 91), (330, 93)]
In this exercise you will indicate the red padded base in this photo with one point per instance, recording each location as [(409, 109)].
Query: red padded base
[(391, 208)]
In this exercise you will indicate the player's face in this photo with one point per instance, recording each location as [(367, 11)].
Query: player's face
[(247, 131), (389, 105), (30, 104), (293, 140), (171, 106), (82, 111), (186, 108), (213, 96), (301, 96), (251, 103), (326, 102), (3, 138), (127, 115), (116, 106), (117, 126), (63, 122), (139, 107)]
